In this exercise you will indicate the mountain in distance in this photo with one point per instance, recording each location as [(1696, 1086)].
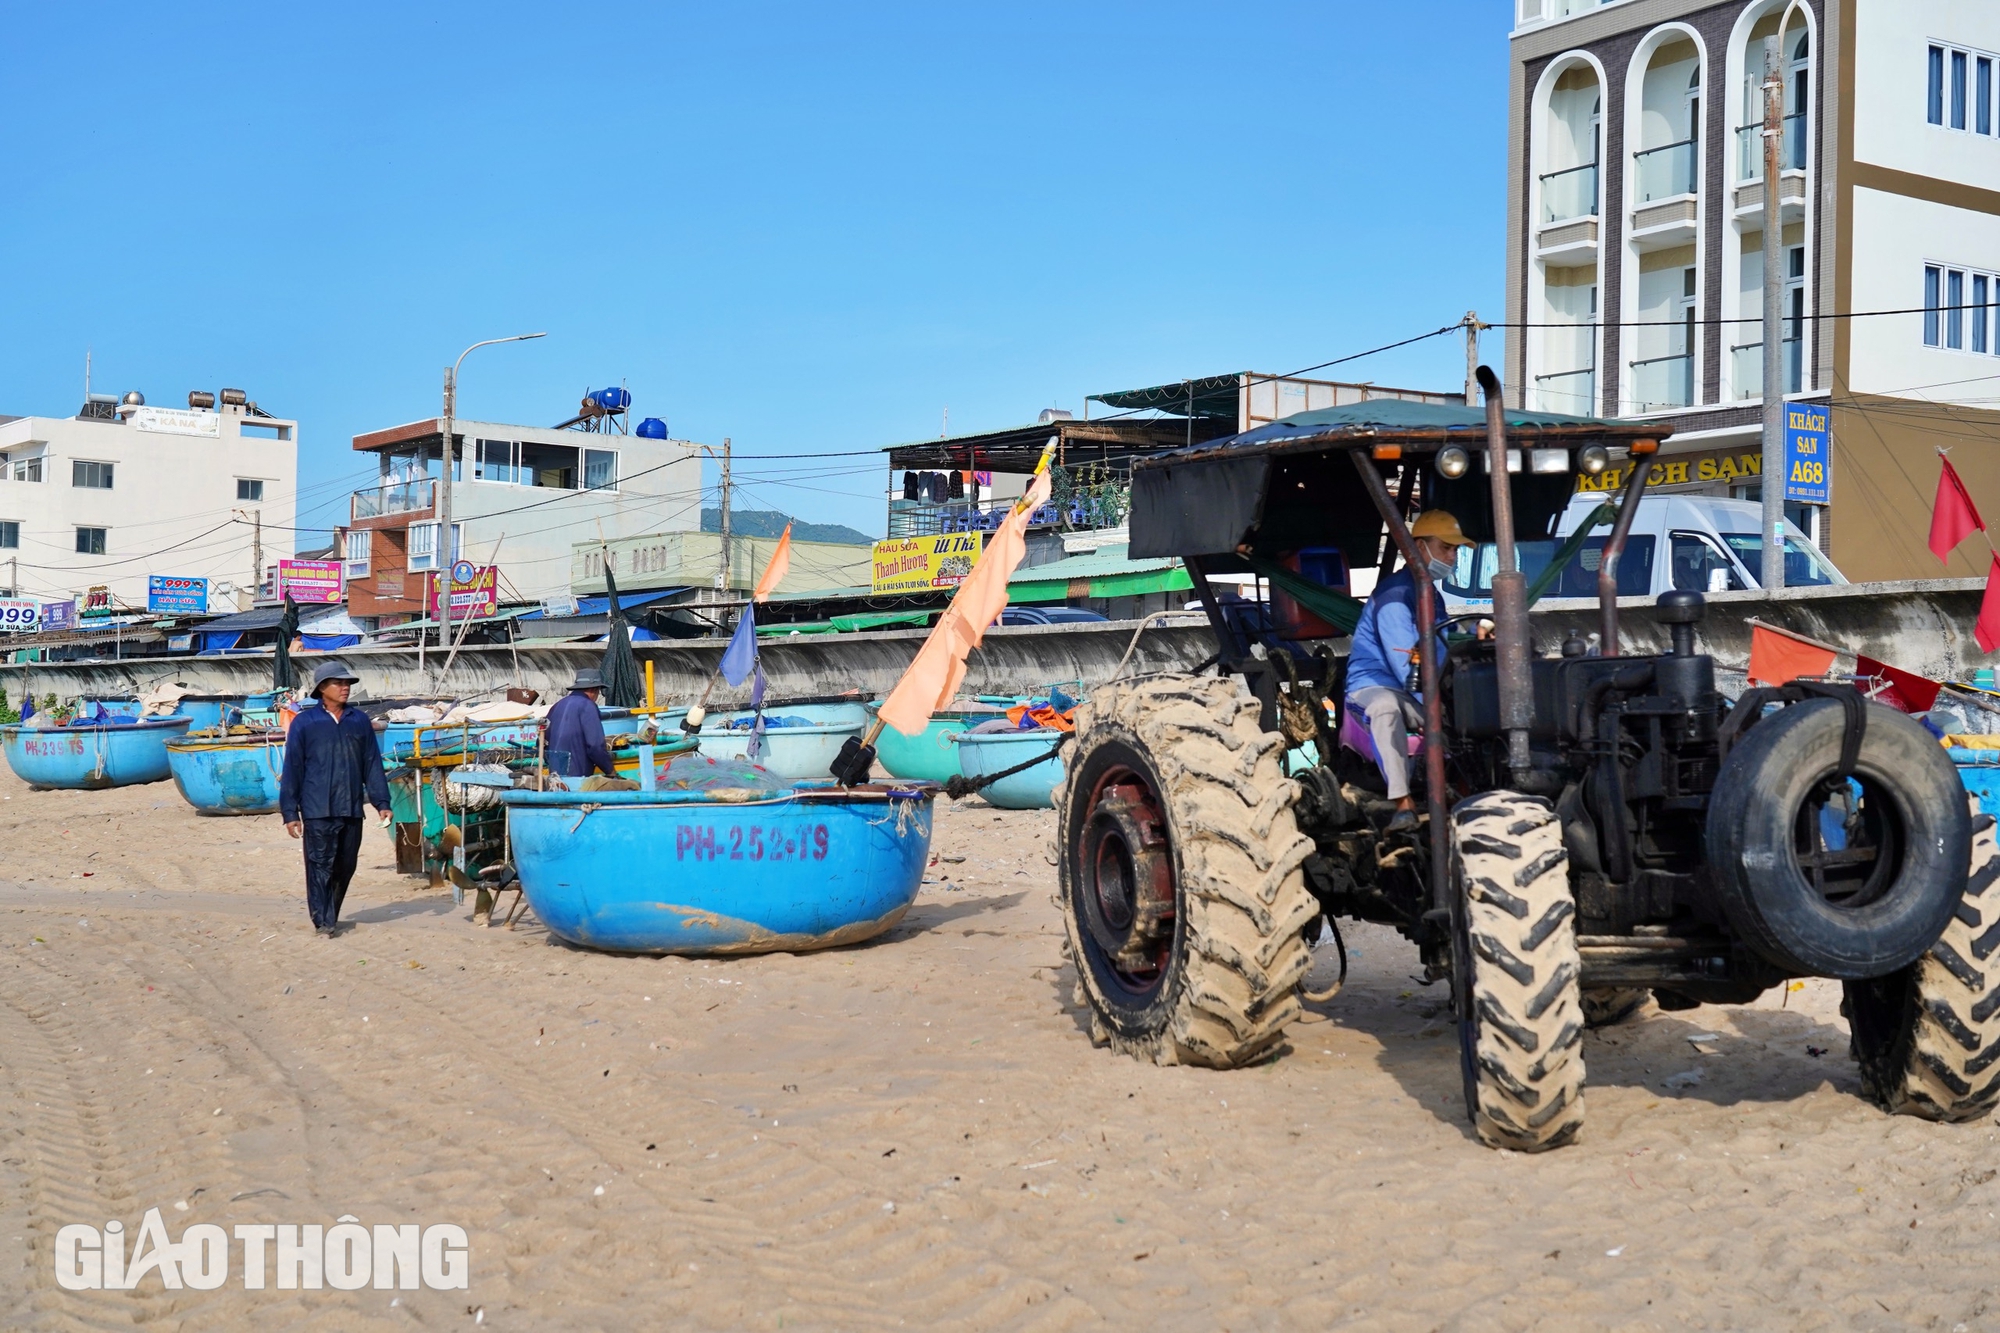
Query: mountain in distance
[(771, 523)]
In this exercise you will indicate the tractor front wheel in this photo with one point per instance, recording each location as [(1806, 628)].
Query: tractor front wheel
[(1515, 960)]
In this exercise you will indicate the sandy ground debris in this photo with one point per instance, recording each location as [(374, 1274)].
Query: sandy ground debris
[(914, 1132)]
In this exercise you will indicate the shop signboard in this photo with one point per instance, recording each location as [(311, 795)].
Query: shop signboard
[(475, 591), (97, 602), (309, 581), (18, 615), (1808, 464), (167, 594), (58, 615), (923, 564)]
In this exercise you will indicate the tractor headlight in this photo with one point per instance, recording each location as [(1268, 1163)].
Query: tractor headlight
[(1453, 462), (1548, 460), (1593, 458)]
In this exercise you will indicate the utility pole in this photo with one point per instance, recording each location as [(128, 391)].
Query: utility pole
[(442, 554), (257, 548), (1472, 328), (1772, 576), (441, 547), (725, 517)]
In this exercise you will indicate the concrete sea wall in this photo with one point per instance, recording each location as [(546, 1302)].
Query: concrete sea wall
[(1921, 625), (1010, 660)]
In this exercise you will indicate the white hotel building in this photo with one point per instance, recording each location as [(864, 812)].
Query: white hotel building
[(122, 490), (1635, 232)]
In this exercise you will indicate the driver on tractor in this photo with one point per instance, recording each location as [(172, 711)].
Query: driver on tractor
[(1381, 662)]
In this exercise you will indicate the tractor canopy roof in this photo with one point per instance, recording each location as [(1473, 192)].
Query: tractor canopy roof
[(1293, 483)]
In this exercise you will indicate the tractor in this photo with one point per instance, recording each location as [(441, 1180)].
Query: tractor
[(1593, 829)]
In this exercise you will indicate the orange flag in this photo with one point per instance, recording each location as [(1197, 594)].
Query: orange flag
[(1776, 658), (774, 573), (939, 668)]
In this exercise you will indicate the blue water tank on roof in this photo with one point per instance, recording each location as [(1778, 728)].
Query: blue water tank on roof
[(652, 428), (612, 400)]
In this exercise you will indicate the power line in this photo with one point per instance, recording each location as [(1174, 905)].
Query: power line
[(1737, 319)]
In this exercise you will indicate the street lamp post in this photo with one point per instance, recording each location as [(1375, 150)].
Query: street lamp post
[(443, 544)]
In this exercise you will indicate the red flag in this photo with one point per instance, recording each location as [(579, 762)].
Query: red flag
[(1905, 690), (1953, 516), (1776, 658), (1987, 631)]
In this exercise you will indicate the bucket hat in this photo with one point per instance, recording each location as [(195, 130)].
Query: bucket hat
[(331, 670), (590, 678)]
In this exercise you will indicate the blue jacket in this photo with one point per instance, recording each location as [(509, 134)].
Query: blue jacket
[(576, 731), (1386, 634), (331, 767)]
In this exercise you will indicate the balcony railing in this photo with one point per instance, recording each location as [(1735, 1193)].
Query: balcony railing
[(1747, 368), (1573, 391), (396, 497), (1570, 193), (1750, 148), (908, 519), (1666, 171), (1661, 382)]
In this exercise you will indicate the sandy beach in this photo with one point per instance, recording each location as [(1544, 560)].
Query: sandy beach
[(915, 1132)]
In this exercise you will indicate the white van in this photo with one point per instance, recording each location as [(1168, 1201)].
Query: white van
[(1699, 543)]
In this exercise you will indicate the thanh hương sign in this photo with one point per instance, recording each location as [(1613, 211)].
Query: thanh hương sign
[(920, 564)]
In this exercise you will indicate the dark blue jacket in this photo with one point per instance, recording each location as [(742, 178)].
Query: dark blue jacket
[(331, 767), (576, 730)]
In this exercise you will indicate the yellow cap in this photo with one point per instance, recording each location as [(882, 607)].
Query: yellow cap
[(1439, 523)]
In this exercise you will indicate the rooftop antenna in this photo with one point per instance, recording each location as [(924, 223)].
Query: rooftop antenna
[(945, 432), (86, 374)]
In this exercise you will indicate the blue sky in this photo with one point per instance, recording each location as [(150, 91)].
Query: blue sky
[(808, 228)]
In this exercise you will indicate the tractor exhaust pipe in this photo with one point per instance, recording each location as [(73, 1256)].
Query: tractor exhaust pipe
[(1510, 591), (1614, 546)]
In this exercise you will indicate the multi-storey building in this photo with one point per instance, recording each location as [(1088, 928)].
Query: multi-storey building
[(522, 496), (121, 491), (1635, 241)]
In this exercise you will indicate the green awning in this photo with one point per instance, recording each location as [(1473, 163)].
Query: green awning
[(847, 624), (878, 619), (1135, 584)]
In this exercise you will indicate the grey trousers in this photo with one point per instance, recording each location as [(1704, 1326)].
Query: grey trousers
[(1390, 714)]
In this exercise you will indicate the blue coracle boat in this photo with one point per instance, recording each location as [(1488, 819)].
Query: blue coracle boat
[(681, 872), (987, 752), (204, 711), (228, 776), (793, 753), (92, 758)]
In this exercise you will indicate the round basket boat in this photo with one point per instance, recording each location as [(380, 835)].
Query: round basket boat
[(987, 752), (687, 873), (228, 776), (92, 758)]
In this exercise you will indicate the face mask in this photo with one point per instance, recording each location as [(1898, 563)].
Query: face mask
[(1441, 570)]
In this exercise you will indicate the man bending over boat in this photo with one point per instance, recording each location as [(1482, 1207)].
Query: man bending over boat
[(332, 765), (576, 730)]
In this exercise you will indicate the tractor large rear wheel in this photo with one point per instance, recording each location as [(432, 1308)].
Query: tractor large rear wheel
[(1178, 866)]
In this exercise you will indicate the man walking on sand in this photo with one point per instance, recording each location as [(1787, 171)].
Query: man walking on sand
[(331, 765)]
